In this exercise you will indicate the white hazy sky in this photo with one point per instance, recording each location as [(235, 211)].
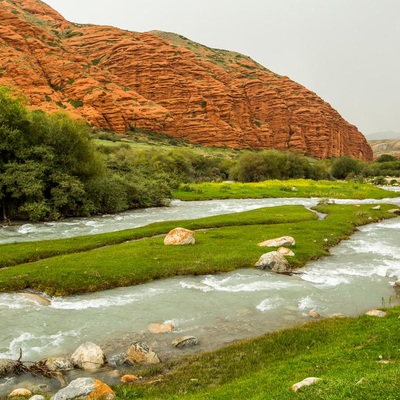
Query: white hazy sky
[(347, 51)]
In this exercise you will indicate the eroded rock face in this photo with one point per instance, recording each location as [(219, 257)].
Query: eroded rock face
[(166, 83)]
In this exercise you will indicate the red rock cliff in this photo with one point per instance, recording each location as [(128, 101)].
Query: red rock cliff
[(164, 82)]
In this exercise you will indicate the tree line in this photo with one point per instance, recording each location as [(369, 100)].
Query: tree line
[(50, 168)]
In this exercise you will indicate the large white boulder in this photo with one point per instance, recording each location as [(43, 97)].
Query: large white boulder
[(88, 356)]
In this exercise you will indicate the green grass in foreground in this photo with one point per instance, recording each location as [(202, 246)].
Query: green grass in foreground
[(355, 358), (223, 243), (277, 188)]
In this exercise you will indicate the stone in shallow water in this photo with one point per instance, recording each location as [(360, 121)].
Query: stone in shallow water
[(37, 299), (156, 327), (20, 392), (57, 363), (88, 356), (7, 367), (274, 261), (139, 353), (185, 341)]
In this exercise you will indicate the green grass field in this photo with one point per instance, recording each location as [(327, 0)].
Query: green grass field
[(223, 243), (276, 189)]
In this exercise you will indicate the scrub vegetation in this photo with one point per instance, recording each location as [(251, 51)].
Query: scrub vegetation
[(53, 167)]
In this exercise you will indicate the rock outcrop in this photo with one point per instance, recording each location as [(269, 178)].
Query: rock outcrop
[(163, 82)]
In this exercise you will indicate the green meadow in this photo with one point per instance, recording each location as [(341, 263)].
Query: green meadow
[(278, 188)]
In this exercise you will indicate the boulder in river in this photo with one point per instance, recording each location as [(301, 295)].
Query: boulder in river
[(57, 363), (275, 262), (314, 314), (20, 392), (85, 388), (156, 327), (139, 353), (179, 236), (185, 341), (88, 356), (37, 299), (7, 367), (278, 242)]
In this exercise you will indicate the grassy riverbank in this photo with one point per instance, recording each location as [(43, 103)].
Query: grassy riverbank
[(356, 358), (223, 243), (277, 188)]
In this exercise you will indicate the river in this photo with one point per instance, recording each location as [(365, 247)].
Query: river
[(217, 309)]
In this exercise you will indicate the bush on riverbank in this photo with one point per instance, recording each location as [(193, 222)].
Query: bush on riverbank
[(49, 169)]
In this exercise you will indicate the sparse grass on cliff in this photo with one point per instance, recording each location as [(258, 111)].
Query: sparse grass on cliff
[(223, 243), (277, 188)]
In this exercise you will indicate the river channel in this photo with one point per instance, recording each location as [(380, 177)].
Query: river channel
[(217, 309)]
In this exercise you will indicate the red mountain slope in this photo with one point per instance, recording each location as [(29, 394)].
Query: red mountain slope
[(163, 82)]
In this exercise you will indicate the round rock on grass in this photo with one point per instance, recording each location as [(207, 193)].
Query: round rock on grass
[(179, 236), (376, 313)]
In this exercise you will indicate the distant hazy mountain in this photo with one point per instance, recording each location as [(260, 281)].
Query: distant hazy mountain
[(385, 146), (383, 135)]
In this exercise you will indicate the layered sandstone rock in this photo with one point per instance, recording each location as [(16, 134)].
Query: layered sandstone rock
[(163, 82)]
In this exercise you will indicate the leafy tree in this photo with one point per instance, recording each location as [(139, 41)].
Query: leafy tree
[(386, 158), (344, 166)]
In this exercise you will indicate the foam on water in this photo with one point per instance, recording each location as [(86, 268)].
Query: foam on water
[(113, 299), (307, 303), (269, 304), (33, 344), (232, 283), (16, 301)]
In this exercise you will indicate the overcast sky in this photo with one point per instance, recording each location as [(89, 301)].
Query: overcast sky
[(346, 51)]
